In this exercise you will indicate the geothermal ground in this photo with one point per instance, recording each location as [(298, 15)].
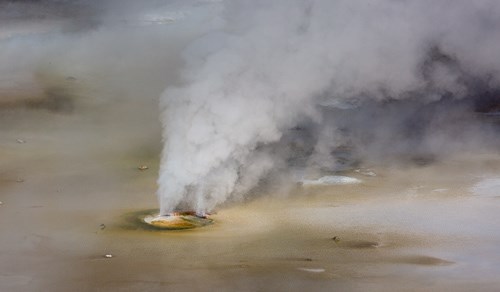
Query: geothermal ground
[(71, 193), (81, 141)]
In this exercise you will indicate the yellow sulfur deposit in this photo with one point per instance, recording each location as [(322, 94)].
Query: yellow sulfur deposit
[(177, 221)]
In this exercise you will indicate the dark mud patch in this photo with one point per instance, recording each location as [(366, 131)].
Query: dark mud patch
[(357, 244), (57, 100), (422, 260)]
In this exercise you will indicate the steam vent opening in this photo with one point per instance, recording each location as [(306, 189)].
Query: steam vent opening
[(176, 220)]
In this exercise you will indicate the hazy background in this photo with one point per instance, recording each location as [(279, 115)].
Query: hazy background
[(246, 89)]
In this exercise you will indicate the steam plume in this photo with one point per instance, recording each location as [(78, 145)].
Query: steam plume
[(257, 91), (272, 66)]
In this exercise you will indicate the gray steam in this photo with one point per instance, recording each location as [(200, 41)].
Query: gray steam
[(256, 91), (275, 66)]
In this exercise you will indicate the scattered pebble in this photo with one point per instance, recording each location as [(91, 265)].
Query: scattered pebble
[(102, 226), (1, 203), (336, 239), (19, 180), (108, 256), (20, 141), (143, 167)]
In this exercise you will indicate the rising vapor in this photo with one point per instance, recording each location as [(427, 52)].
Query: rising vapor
[(272, 66), (254, 92)]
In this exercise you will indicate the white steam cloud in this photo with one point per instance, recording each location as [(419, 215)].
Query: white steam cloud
[(271, 65), (258, 91)]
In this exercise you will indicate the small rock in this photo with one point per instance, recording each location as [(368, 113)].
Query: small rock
[(19, 180), (143, 167), (336, 239), (108, 256), (20, 141), (1, 203), (102, 226)]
